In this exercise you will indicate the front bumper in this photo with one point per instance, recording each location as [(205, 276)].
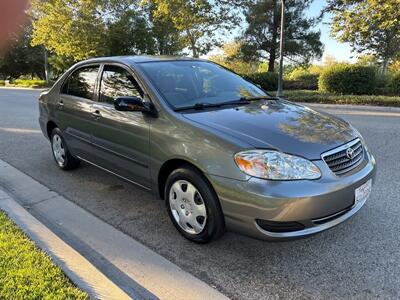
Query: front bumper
[(316, 205)]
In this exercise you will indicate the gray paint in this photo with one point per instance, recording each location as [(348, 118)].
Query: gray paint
[(135, 146)]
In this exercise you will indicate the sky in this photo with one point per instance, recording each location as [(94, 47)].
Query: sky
[(341, 51), (332, 48)]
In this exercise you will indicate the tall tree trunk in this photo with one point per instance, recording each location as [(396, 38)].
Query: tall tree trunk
[(273, 44), (271, 61), (192, 44), (385, 66)]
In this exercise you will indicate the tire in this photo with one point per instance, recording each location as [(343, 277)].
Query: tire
[(60, 151), (186, 206)]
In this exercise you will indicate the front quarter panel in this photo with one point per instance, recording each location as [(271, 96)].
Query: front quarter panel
[(174, 137)]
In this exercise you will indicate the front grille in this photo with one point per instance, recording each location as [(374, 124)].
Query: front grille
[(338, 159)]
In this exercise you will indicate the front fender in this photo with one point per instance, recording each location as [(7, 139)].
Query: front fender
[(174, 137)]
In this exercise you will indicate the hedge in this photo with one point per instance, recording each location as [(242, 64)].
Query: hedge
[(2, 83), (29, 83), (331, 98), (300, 85), (347, 79), (395, 83), (267, 80)]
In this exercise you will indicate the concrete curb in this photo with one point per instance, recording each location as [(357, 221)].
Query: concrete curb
[(137, 270), (75, 266)]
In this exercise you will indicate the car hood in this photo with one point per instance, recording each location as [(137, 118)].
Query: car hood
[(280, 125)]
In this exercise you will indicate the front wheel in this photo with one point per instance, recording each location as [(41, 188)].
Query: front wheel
[(61, 154), (193, 206)]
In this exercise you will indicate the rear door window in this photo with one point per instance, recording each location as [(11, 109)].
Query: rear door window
[(82, 82), (118, 82)]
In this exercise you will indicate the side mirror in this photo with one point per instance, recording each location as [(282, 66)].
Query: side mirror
[(129, 104), (132, 103)]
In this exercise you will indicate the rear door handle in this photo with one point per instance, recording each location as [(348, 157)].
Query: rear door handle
[(60, 104)]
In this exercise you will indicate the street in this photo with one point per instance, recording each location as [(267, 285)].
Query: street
[(357, 259)]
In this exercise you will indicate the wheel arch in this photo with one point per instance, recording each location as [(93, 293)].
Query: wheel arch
[(168, 167), (49, 128)]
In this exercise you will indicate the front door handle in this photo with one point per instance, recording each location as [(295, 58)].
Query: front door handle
[(60, 104), (96, 114)]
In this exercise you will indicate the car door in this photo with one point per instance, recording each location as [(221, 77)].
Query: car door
[(74, 109), (121, 138)]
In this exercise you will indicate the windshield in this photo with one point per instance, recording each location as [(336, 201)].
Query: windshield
[(190, 83)]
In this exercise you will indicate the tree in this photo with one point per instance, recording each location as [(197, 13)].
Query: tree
[(168, 40), (78, 29), (71, 28), (129, 34), (21, 58), (370, 26), (230, 58), (198, 21), (261, 38)]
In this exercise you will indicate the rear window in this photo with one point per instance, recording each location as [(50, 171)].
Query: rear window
[(81, 83)]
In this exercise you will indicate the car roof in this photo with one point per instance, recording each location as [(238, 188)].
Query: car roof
[(133, 59)]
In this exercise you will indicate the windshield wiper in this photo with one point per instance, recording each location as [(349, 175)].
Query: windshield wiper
[(202, 105)]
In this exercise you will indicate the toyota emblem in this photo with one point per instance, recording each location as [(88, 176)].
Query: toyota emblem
[(350, 153)]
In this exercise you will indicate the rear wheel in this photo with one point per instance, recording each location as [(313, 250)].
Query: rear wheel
[(61, 154), (193, 206)]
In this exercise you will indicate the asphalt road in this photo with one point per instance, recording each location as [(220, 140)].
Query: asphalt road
[(357, 259)]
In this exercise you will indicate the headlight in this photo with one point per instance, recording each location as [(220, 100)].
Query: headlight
[(275, 165)]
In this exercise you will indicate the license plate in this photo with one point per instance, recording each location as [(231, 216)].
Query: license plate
[(362, 193)]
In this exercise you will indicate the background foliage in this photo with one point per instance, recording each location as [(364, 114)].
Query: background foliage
[(348, 79), (72, 30)]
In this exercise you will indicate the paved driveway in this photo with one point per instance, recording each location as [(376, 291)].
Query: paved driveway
[(357, 259)]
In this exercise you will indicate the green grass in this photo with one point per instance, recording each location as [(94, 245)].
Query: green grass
[(329, 98), (27, 272)]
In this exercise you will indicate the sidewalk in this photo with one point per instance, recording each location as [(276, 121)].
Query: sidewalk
[(75, 266), (138, 271)]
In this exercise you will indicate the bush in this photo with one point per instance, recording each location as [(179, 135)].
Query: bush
[(301, 79), (301, 74), (347, 79), (330, 98), (395, 83), (2, 83), (300, 84), (267, 80), (29, 82)]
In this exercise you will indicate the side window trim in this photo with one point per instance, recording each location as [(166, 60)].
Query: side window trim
[(96, 94), (66, 80)]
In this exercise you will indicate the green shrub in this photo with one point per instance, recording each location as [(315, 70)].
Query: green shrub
[(267, 80), (301, 74), (29, 83), (331, 98), (2, 83), (347, 79), (395, 83), (300, 84), (301, 79)]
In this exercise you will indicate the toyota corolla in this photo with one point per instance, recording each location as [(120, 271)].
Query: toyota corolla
[(221, 152)]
